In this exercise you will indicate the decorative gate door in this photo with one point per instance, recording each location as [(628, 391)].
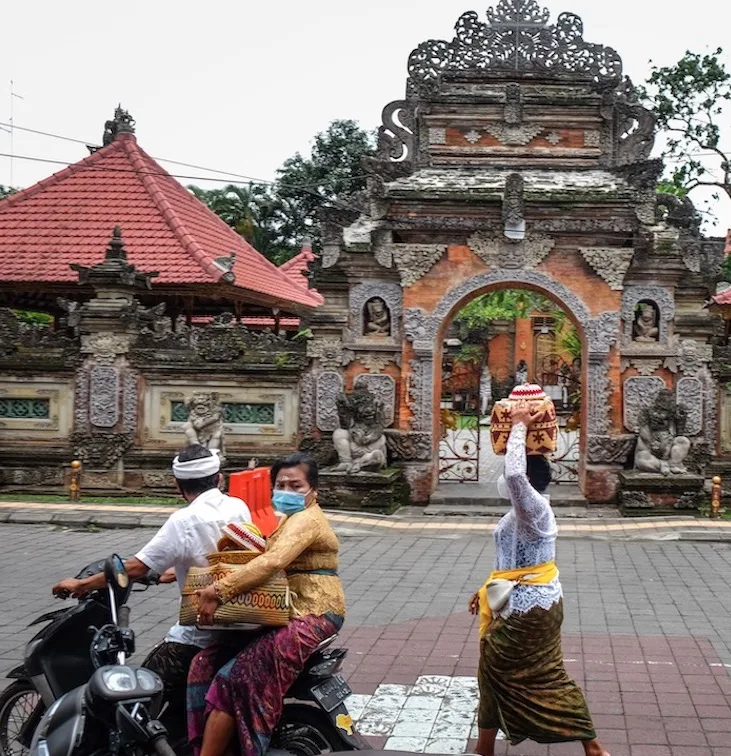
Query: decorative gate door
[(460, 414), (562, 382)]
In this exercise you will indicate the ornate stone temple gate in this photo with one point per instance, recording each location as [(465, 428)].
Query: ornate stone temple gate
[(518, 158)]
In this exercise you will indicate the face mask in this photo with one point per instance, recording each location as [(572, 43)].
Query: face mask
[(289, 502), (502, 488)]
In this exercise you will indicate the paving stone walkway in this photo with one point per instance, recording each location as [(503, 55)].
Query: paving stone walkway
[(647, 629)]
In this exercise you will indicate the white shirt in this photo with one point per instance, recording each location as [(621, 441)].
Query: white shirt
[(184, 541)]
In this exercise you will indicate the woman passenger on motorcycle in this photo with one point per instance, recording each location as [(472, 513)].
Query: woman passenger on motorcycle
[(246, 695)]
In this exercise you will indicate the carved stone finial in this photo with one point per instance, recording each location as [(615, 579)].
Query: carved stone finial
[(122, 123), (513, 208), (114, 270), (517, 39)]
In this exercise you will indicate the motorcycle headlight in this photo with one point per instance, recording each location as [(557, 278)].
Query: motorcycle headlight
[(147, 681), (119, 680)]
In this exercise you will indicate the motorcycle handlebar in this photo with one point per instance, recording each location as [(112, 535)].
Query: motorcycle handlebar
[(123, 617), (163, 748)]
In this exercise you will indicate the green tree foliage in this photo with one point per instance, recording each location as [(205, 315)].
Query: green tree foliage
[(332, 171), (6, 191), (688, 100), (276, 219)]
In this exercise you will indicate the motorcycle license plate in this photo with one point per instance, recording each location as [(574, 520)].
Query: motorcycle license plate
[(332, 692)]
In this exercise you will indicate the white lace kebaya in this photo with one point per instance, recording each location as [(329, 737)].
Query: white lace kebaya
[(525, 536)]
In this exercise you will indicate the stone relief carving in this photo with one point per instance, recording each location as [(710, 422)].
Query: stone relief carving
[(691, 358), (104, 396), (514, 136), (513, 110), (472, 136), (330, 353), (599, 395), (129, 403), (361, 293), (329, 387), (375, 363), (554, 138), (602, 332), (642, 366), (105, 346), (421, 391), (419, 327), (414, 261), (609, 450), (592, 139), (639, 393), (583, 225), (437, 135), (103, 450), (81, 400), (516, 38), (359, 440), (498, 252), (396, 135), (689, 393), (384, 387), (205, 425), (610, 263), (635, 127), (662, 445), (513, 209), (410, 447), (307, 405), (635, 500), (661, 296), (159, 479)]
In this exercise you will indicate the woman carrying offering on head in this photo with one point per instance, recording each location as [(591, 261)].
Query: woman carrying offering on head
[(524, 688), (245, 697)]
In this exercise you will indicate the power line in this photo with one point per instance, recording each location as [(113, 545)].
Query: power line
[(244, 178)]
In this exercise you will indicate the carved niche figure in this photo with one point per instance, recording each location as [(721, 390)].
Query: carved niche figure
[(360, 441), (662, 446), (377, 320), (204, 425), (646, 328)]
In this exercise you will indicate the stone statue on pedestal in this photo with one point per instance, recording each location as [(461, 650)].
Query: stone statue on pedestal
[(360, 441), (661, 446), (377, 318), (204, 425), (521, 373), (645, 327)]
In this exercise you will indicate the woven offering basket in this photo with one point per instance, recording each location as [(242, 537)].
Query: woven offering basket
[(268, 604), (542, 436)]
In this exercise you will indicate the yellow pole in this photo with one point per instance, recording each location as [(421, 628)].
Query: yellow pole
[(75, 483), (716, 498)]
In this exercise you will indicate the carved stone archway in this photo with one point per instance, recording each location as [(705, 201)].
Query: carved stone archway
[(598, 333)]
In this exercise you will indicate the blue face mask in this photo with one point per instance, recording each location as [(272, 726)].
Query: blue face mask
[(289, 502)]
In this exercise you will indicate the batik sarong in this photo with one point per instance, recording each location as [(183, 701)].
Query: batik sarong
[(524, 688), (251, 686)]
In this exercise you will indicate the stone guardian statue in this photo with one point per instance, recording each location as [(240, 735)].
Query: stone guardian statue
[(204, 425), (360, 441), (661, 446)]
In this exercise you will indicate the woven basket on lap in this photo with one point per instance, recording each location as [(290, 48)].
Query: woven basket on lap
[(543, 434), (268, 604)]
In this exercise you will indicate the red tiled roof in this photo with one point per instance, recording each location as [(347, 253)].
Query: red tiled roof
[(298, 267), (68, 218), (256, 322)]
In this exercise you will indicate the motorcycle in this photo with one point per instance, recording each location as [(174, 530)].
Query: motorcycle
[(63, 675)]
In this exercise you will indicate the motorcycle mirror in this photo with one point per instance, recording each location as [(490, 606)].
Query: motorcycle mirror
[(117, 578)]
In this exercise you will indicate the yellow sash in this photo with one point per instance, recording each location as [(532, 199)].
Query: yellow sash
[(540, 574)]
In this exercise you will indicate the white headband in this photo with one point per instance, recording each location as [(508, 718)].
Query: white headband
[(197, 468)]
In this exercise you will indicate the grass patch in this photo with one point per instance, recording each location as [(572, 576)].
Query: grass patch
[(139, 500)]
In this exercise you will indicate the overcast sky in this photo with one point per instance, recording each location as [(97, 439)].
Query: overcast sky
[(239, 86)]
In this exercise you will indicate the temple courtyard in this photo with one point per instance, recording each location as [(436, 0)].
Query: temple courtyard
[(647, 627)]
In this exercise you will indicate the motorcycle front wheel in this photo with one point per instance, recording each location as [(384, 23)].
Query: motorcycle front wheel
[(20, 704), (304, 731)]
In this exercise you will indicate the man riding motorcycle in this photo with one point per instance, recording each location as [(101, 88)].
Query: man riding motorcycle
[(188, 535)]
